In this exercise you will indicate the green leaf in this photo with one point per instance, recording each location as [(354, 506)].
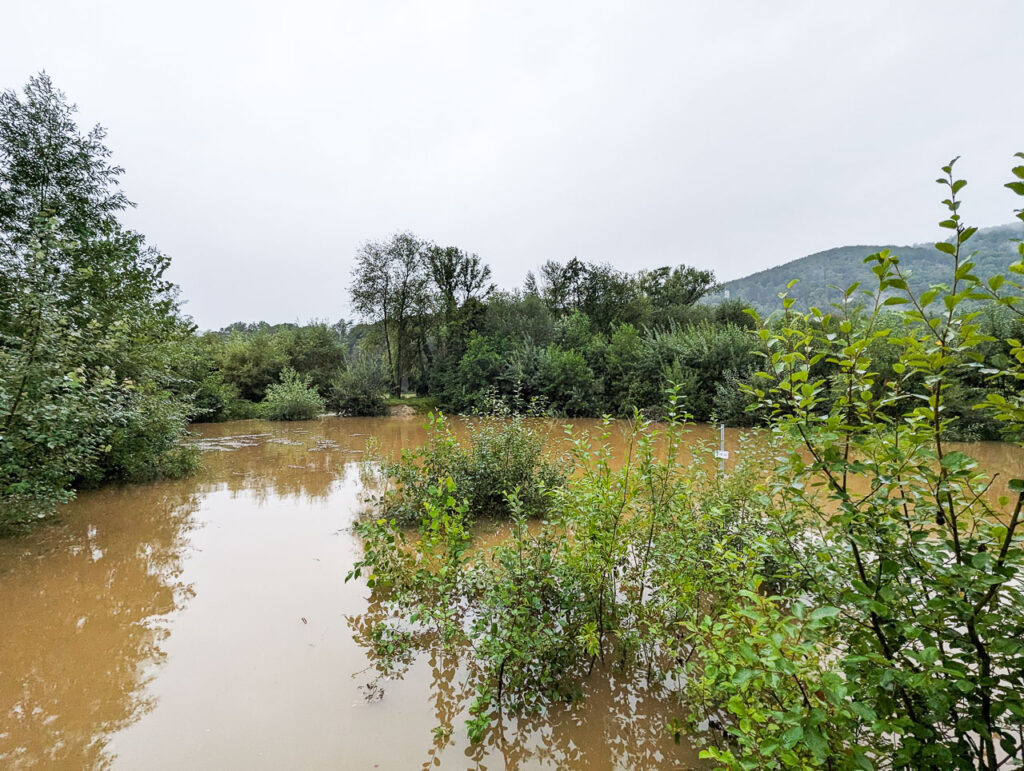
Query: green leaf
[(1017, 187), (826, 611), (792, 736)]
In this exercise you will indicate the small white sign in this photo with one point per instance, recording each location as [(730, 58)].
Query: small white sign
[(722, 454)]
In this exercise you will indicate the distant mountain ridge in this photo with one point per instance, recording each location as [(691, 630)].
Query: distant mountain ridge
[(842, 266)]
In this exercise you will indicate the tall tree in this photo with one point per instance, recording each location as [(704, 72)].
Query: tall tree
[(458, 277), (372, 289), (49, 166), (390, 286), (683, 285), (90, 331)]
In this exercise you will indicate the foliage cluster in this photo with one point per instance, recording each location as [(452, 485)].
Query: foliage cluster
[(504, 453), (360, 388), (294, 398), (847, 596), (585, 339), (90, 331)]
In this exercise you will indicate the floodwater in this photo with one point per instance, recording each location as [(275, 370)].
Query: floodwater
[(206, 624)]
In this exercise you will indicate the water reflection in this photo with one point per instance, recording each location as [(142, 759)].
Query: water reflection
[(205, 623), (84, 613), (618, 723)]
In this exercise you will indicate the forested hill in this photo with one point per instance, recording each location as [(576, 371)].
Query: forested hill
[(844, 265)]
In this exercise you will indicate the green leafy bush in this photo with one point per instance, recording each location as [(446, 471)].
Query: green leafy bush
[(294, 398), (505, 455), (567, 382), (361, 389)]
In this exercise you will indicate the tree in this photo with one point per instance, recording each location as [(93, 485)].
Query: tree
[(48, 165), (459, 279), (390, 286), (673, 289), (561, 286), (90, 332), (457, 276), (371, 292)]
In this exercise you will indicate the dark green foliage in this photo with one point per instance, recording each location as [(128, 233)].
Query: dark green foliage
[(251, 362), (444, 332), (294, 398), (567, 384), (232, 369), (361, 389), (699, 359), (315, 350), (622, 360), (504, 455), (520, 319), (90, 334), (390, 287), (479, 368)]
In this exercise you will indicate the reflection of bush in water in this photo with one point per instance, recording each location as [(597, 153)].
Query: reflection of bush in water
[(620, 725), (84, 624), (271, 467)]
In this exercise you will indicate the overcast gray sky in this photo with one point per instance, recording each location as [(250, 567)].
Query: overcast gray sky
[(264, 142)]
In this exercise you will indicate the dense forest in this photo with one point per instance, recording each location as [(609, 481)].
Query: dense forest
[(824, 275), (579, 339)]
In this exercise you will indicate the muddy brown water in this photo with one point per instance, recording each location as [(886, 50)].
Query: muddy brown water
[(205, 624)]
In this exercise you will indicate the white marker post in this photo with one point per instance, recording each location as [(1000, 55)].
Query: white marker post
[(722, 454)]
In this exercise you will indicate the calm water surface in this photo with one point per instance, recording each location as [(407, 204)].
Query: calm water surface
[(205, 623)]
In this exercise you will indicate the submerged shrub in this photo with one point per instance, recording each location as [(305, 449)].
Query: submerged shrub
[(146, 442), (90, 328), (294, 398), (503, 456), (623, 555)]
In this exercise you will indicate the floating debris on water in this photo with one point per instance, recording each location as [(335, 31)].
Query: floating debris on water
[(228, 443), (324, 444)]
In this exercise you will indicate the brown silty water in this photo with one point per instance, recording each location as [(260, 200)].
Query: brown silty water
[(205, 623)]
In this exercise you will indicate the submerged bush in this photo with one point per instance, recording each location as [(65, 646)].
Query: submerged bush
[(294, 398), (503, 456)]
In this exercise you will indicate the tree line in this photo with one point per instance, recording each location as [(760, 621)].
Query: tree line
[(101, 371)]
